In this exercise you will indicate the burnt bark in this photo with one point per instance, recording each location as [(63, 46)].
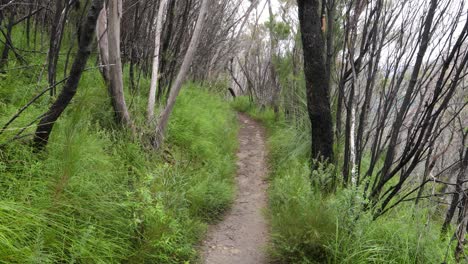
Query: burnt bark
[(456, 196), (46, 124), (317, 87), (8, 44), (389, 158), (54, 44)]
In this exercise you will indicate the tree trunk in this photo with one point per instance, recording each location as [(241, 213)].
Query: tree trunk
[(456, 196), (155, 72), (330, 7), (133, 49), (318, 93), (462, 223), (103, 44), (69, 90), (164, 118), (54, 45), (113, 73), (6, 48), (273, 80), (352, 139)]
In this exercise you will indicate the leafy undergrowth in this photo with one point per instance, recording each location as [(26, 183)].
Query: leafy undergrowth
[(311, 227), (97, 195)]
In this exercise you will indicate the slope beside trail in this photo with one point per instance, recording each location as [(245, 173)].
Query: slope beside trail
[(242, 236)]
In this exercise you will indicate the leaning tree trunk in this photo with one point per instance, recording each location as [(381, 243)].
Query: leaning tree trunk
[(69, 90), (164, 118), (155, 72), (318, 93)]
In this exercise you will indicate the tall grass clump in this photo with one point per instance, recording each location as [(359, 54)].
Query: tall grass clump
[(311, 224), (96, 195), (71, 203), (194, 185), (205, 128)]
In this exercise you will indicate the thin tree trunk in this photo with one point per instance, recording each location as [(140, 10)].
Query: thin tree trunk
[(349, 136), (164, 118), (463, 218), (352, 139), (372, 73), (456, 196), (427, 171), (155, 72), (46, 124), (6, 48), (28, 23), (115, 64), (54, 44), (390, 154), (330, 7), (103, 44), (274, 84), (133, 56)]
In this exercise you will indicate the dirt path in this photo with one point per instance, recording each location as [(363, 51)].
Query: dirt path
[(242, 236)]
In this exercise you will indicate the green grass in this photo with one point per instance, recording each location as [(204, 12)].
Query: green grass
[(311, 225), (97, 195)]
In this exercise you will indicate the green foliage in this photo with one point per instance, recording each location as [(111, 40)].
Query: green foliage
[(280, 30), (265, 115), (404, 235), (300, 221), (311, 225), (204, 127), (243, 104), (96, 195)]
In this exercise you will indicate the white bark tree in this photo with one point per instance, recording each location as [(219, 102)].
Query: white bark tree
[(111, 59), (103, 43), (182, 74), (155, 71)]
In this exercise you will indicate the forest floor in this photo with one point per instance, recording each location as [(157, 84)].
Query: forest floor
[(242, 236)]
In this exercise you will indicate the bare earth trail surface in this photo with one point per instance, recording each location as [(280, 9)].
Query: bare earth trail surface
[(242, 236)]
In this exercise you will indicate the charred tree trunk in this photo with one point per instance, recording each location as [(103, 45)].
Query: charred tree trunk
[(56, 33), (133, 49), (330, 7), (6, 48), (318, 93), (53, 43), (400, 117), (46, 124), (456, 196)]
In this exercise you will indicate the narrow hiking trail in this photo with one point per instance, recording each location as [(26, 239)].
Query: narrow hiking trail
[(242, 236)]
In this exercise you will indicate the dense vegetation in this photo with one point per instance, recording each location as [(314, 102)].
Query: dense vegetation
[(98, 196), (311, 225), (118, 127)]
